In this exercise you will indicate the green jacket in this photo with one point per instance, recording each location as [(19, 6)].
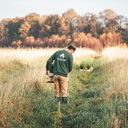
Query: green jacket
[(60, 63)]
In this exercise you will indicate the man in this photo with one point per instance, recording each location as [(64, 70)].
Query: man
[(60, 64)]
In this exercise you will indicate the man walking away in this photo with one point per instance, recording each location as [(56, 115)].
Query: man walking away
[(61, 63)]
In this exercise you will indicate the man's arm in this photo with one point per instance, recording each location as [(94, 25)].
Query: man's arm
[(70, 63), (49, 62)]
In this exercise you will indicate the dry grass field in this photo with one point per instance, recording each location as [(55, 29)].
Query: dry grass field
[(98, 99)]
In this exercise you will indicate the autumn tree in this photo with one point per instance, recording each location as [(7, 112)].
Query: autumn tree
[(13, 28), (64, 28), (90, 30), (50, 26), (24, 30), (35, 29), (2, 31), (109, 20), (71, 18)]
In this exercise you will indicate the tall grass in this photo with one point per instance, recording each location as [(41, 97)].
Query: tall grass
[(108, 90), (19, 79), (116, 91)]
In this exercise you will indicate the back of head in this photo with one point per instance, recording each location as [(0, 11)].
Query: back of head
[(71, 47)]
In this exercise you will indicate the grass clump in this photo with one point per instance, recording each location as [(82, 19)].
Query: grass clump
[(87, 63)]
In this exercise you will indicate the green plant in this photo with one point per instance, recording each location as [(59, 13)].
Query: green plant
[(87, 63)]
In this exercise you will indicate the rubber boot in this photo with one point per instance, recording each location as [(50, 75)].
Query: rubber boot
[(58, 99), (64, 100)]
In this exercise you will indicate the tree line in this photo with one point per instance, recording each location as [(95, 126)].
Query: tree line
[(90, 30)]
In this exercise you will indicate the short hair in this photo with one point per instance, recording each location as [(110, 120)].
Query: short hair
[(71, 46)]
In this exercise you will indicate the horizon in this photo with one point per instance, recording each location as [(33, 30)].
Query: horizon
[(57, 7)]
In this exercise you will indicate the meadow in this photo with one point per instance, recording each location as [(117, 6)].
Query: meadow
[(97, 99)]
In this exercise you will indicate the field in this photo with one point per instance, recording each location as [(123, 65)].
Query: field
[(97, 99)]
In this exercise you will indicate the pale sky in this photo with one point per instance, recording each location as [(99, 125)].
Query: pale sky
[(20, 8)]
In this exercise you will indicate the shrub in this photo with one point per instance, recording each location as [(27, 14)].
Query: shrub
[(86, 64)]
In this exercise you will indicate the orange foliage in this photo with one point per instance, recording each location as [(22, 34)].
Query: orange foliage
[(24, 29), (90, 30), (110, 39)]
